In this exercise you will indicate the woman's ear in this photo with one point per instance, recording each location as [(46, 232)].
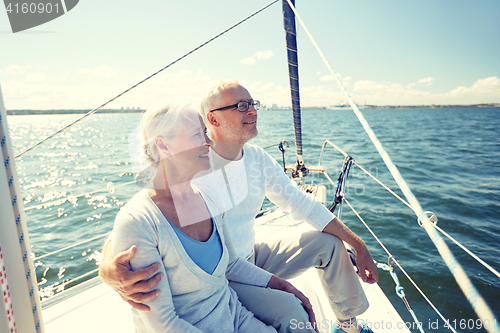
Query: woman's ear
[(161, 144), (212, 119)]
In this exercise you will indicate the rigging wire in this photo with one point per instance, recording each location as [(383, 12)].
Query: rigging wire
[(398, 264), (482, 262), (63, 200), (144, 80), (72, 246), (475, 299)]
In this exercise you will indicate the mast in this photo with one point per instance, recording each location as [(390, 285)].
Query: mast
[(300, 169)]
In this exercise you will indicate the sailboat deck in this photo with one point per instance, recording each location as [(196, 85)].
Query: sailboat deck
[(94, 307)]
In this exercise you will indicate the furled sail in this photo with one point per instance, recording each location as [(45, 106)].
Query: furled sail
[(293, 72)]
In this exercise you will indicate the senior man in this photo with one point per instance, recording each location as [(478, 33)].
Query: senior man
[(251, 174)]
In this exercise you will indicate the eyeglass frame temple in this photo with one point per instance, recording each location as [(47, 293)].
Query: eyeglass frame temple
[(236, 106)]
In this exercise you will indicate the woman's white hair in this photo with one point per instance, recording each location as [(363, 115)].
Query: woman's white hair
[(164, 121), (210, 99)]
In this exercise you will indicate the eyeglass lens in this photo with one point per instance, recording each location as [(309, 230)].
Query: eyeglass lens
[(243, 106)]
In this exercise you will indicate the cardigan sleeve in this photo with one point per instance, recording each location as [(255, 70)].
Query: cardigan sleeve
[(143, 234)]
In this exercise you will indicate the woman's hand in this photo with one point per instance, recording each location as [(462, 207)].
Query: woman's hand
[(281, 284), (132, 286)]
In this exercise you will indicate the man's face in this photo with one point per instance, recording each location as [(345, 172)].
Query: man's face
[(235, 126)]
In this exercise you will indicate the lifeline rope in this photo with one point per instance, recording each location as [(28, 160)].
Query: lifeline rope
[(4, 288), (400, 291), (149, 77), (63, 200), (397, 263), (482, 262), (475, 299)]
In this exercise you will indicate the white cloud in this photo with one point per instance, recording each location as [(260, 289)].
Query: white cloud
[(35, 77), (326, 78), (249, 61), (261, 55), (485, 90), (488, 87), (15, 69), (74, 93), (99, 72), (426, 81)]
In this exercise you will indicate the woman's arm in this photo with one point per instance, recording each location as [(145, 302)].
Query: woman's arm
[(240, 270), (129, 231)]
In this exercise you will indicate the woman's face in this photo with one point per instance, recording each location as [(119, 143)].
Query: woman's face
[(189, 148)]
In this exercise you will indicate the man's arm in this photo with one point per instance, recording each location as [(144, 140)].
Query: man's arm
[(367, 269), (132, 286), (285, 194)]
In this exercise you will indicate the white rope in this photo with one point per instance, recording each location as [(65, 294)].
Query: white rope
[(475, 299), (16, 202), (399, 265), (4, 287)]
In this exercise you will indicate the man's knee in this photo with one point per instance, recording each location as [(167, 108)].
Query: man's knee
[(320, 242)]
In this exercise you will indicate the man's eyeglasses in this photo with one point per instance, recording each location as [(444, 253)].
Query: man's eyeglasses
[(241, 106)]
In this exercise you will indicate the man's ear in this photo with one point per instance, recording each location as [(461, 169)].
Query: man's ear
[(161, 144), (212, 119)]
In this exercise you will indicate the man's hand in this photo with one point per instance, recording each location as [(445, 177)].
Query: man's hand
[(132, 286), (281, 284), (367, 269)]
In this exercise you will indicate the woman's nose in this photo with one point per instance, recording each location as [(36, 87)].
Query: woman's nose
[(207, 142)]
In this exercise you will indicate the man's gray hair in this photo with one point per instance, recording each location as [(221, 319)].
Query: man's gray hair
[(211, 98)]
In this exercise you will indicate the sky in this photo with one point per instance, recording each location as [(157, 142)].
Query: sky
[(386, 52)]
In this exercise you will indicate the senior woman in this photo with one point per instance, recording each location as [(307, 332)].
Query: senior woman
[(172, 222)]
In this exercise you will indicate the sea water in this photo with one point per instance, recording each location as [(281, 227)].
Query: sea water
[(450, 158)]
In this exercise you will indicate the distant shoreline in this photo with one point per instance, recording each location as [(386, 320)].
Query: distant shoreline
[(305, 108), (42, 112)]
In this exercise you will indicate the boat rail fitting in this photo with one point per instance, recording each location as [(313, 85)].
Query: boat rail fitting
[(283, 149), (327, 142)]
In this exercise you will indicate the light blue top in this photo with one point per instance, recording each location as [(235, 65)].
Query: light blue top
[(204, 254)]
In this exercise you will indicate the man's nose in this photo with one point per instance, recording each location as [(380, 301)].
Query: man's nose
[(251, 109)]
